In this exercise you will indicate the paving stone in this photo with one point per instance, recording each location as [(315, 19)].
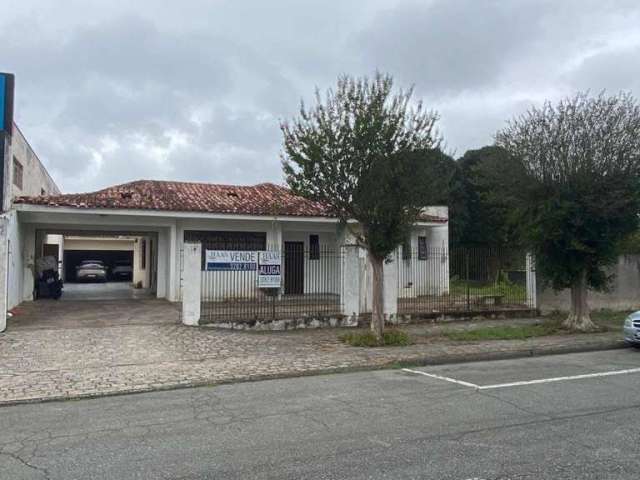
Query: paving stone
[(75, 349)]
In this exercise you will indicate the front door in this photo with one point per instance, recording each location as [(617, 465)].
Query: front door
[(294, 267)]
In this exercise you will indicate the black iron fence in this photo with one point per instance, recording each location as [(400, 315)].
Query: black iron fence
[(432, 280), (271, 284), (300, 282)]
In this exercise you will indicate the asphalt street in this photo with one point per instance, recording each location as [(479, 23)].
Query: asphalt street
[(560, 417)]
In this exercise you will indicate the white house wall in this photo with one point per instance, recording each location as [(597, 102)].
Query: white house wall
[(14, 261), (322, 275), (226, 287), (425, 277), (98, 244), (229, 285)]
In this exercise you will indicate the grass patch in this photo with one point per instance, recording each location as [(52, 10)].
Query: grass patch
[(605, 319), (390, 338), (510, 291), (507, 332)]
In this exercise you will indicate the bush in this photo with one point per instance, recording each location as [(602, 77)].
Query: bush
[(390, 337)]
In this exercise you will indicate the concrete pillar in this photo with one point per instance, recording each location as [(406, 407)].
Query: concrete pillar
[(28, 262), (162, 284), (351, 282), (191, 284), (532, 297), (174, 266), (4, 265), (390, 283), (274, 236)]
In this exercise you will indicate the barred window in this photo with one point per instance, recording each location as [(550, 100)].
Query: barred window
[(217, 240), (17, 173)]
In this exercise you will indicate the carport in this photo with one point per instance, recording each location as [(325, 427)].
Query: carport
[(145, 239)]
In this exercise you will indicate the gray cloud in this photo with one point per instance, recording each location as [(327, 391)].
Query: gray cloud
[(108, 92)]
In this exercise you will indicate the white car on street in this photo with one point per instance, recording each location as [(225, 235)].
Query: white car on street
[(632, 328)]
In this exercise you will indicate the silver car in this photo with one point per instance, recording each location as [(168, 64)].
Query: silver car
[(91, 271), (632, 328)]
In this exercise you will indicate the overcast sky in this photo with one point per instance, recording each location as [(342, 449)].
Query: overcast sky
[(108, 92)]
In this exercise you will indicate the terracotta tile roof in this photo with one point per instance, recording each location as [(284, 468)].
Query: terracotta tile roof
[(263, 199)]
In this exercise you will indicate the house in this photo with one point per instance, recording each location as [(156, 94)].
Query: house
[(147, 223), (166, 215)]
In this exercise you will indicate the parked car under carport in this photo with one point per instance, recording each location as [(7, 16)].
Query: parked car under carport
[(122, 271), (91, 271)]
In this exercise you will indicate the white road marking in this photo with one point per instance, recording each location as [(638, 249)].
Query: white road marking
[(526, 382), (560, 379), (440, 377)]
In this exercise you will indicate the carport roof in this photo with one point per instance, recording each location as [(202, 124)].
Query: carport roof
[(264, 199)]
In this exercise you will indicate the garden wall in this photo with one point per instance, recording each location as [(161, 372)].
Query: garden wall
[(623, 295)]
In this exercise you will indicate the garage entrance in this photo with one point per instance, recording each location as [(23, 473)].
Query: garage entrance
[(100, 265)]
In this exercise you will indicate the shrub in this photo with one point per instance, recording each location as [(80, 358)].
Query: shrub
[(390, 337)]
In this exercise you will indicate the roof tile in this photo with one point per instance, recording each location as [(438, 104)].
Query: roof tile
[(263, 199)]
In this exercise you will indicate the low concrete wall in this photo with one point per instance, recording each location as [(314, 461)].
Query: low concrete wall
[(288, 323), (623, 295)]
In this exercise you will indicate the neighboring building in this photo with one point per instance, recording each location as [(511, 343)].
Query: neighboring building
[(25, 174), (22, 173)]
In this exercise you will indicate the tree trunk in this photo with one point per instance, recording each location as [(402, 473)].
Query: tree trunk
[(377, 289), (579, 318)]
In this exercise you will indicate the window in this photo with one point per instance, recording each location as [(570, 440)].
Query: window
[(314, 247), (406, 249), (422, 248), (143, 254), (248, 241), (17, 173)]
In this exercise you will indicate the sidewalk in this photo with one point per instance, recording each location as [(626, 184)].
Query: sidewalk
[(51, 363)]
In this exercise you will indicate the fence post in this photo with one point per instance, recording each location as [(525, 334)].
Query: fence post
[(191, 284), (351, 283), (390, 284), (466, 278), (532, 295)]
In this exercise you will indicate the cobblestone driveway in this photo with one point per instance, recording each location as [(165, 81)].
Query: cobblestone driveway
[(75, 349)]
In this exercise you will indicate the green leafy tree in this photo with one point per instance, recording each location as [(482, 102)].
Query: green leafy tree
[(368, 154), (488, 210), (578, 193)]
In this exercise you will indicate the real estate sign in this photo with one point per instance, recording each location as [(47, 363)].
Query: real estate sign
[(230, 261), (269, 270)]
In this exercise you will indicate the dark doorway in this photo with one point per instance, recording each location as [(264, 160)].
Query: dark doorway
[(293, 267)]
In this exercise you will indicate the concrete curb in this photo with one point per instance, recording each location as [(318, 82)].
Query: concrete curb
[(420, 361)]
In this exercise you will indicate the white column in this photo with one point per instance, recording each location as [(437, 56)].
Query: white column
[(390, 284), (4, 265), (351, 282), (28, 262), (191, 284), (532, 297), (274, 236), (163, 263), (174, 245)]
